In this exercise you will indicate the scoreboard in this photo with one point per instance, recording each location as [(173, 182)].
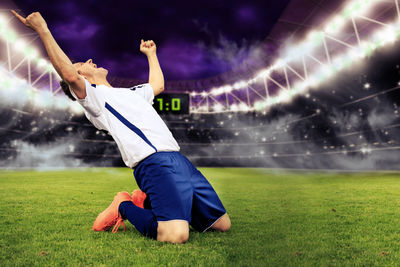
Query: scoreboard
[(166, 103)]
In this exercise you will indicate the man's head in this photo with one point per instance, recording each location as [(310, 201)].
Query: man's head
[(90, 71)]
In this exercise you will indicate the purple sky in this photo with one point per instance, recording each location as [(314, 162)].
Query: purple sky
[(194, 41)]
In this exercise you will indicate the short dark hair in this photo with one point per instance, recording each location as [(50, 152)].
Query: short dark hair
[(65, 88)]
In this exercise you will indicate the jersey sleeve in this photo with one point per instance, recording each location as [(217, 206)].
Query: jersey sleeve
[(92, 103), (145, 90)]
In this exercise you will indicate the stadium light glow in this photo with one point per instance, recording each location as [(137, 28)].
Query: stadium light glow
[(263, 74), (41, 63), (365, 150), (16, 90), (31, 53), (259, 105), (335, 25), (227, 89), (75, 108), (9, 35), (316, 39), (20, 45), (218, 107), (234, 107), (215, 91), (239, 85), (61, 103), (43, 99), (3, 22), (388, 35), (243, 107)]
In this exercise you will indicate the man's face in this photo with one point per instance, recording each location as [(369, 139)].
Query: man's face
[(89, 69)]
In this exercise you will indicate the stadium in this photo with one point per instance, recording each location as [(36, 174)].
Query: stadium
[(300, 138)]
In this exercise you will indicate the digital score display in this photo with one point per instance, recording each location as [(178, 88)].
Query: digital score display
[(166, 103)]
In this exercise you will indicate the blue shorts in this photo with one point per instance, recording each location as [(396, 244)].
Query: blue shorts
[(178, 191)]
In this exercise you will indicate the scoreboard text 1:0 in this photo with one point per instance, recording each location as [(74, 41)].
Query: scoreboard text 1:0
[(166, 103)]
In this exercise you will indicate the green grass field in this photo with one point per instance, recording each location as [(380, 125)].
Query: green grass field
[(291, 219)]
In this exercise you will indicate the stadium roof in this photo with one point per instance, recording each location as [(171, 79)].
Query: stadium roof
[(212, 43), (294, 20)]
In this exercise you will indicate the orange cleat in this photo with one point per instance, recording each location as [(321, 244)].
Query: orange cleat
[(110, 217), (138, 198)]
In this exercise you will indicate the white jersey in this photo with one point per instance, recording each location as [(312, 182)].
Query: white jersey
[(127, 114)]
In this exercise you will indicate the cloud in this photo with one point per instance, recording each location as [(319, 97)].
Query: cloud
[(185, 59), (51, 155), (381, 116), (78, 29)]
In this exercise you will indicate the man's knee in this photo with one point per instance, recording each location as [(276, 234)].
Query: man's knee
[(223, 224), (176, 231), (178, 237)]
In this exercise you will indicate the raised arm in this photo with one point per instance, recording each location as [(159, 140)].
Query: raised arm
[(156, 77), (60, 61)]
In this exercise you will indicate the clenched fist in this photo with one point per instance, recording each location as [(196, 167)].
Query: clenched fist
[(148, 47), (34, 21)]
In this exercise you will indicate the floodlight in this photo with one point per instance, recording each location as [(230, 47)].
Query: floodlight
[(227, 88), (335, 25), (42, 63), (240, 84), (218, 107), (3, 21), (9, 35), (243, 107), (20, 45), (31, 53)]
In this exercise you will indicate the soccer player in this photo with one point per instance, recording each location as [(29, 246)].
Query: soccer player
[(176, 193)]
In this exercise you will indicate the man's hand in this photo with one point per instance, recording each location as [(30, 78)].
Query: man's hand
[(148, 47), (34, 21)]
